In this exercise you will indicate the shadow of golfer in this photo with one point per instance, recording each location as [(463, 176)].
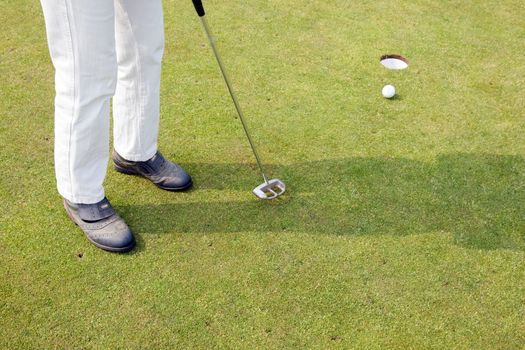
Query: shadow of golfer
[(480, 199)]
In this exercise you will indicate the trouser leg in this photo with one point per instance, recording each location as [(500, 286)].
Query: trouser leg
[(139, 33), (81, 42)]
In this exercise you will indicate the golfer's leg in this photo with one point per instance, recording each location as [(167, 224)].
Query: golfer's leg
[(82, 45), (139, 32)]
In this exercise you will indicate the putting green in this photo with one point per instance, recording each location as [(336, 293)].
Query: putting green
[(403, 224)]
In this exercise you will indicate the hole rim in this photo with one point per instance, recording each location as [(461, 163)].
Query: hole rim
[(395, 57)]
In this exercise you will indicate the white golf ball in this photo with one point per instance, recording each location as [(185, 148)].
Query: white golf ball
[(388, 91)]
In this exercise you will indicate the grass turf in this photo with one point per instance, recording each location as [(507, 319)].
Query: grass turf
[(404, 225)]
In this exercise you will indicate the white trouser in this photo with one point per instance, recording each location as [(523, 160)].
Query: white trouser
[(100, 49)]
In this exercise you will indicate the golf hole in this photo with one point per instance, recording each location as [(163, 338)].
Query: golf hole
[(394, 61)]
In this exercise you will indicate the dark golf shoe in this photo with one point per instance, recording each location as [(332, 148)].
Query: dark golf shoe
[(163, 173), (102, 226)]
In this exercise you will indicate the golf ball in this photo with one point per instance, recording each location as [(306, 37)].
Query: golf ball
[(389, 91)]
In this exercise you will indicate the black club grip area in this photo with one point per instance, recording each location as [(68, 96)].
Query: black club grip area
[(198, 7)]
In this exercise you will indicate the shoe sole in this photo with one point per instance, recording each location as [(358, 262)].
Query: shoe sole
[(171, 189), (98, 245)]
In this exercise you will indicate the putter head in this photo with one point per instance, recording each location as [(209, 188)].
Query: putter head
[(270, 190)]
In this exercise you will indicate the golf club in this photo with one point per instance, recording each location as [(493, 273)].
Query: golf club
[(269, 189)]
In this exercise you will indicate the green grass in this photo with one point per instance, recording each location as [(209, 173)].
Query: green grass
[(404, 224)]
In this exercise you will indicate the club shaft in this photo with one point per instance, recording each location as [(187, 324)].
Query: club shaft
[(232, 94)]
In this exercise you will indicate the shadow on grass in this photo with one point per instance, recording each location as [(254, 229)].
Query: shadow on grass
[(480, 199)]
